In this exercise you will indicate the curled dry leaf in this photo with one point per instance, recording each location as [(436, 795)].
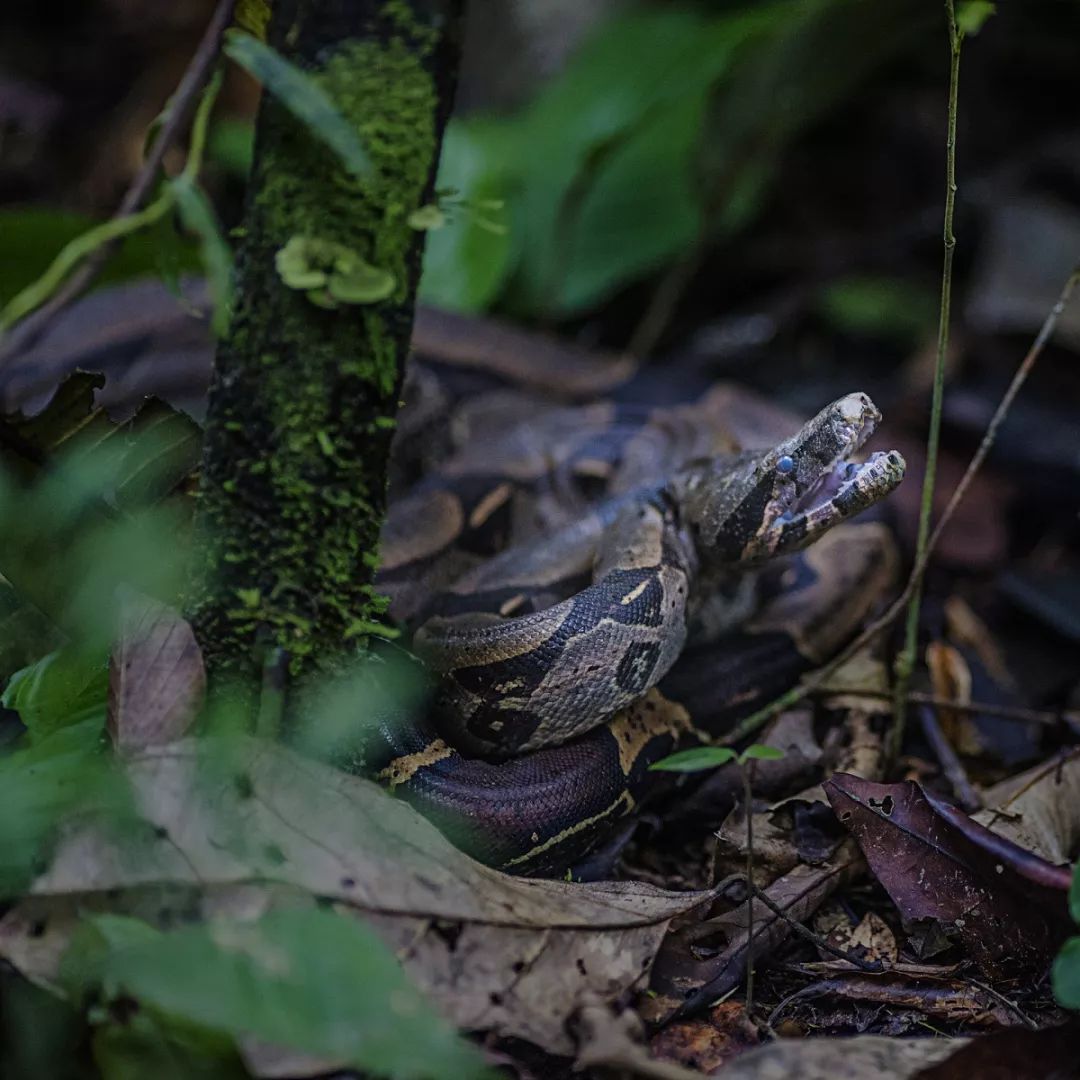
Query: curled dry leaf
[(239, 817), (1007, 905), (1040, 808), (950, 1001), (157, 679), (866, 1057)]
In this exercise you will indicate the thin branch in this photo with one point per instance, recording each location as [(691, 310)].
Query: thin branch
[(872, 967), (905, 660), (175, 115), (1021, 715), (744, 772), (817, 680), (950, 762)]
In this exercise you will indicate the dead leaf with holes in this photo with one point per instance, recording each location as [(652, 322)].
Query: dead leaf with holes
[(246, 824), (157, 680), (1004, 903)]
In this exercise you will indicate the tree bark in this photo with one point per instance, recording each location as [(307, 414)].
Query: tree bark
[(306, 382)]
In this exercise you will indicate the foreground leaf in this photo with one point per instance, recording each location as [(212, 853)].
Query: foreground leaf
[(157, 680), (309, 979), (228, 823)]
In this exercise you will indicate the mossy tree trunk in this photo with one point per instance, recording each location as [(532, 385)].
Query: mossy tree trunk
[(306, 383)]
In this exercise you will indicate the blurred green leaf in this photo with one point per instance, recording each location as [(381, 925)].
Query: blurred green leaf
[(63, 689), (641, 209), (30, 237), (640, 68), (465, 262), (198, 215), (302, 96), (232, 146), (146, 1043), (40, 1033), (311, 980), (1066, 974), (695, 760), (879, 307), (972, 14), (42, 786), (25, 633)]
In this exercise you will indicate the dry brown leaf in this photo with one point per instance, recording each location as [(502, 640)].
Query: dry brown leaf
[(157, 680), (228, 821), (708, 1042), (1039, 809), (865, 1057), (1006, 904)]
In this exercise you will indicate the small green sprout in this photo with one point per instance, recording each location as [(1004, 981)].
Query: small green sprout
[(709, 757)]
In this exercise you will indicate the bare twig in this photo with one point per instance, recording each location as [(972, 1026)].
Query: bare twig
[(873, 968), (744, 772), (951, 765), (817, 679), (1026, 1020), (905, 660), (1045, 717), (175, 115)]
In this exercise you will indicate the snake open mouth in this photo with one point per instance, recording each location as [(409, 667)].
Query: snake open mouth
[(818, 484)]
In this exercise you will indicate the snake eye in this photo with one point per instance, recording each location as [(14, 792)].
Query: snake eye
[(785, 464)]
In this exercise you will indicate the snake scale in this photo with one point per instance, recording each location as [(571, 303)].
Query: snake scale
[(600, 584)]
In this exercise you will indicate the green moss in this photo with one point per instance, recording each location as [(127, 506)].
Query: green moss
[(302, 413)]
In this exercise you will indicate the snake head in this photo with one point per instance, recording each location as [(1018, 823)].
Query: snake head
[(780, 500)]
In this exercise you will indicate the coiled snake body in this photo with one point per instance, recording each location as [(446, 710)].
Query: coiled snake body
[(643, 530)]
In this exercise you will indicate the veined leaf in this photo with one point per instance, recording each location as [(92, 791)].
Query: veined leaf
[(307, 979), (302, 96)]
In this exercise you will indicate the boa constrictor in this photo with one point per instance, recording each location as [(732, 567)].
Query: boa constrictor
[(636, 536)]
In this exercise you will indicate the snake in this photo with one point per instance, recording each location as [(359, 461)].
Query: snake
[(603, 584)]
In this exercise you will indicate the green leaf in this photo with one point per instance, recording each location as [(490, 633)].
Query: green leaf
[(302, 96), (232, 146), (1066, 974), (971, 14), (40, 1033), (309, 979), (465, 263), (61, 690), (41, 786), (147, 1043), (758, 752), (695, 760), (634, 69), (641, 209), (198, 215)]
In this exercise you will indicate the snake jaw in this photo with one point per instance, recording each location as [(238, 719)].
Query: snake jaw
[(822, 486)]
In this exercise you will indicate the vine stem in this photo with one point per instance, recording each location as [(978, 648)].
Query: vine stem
[(744, 773), (905, 660), (23, 335)]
